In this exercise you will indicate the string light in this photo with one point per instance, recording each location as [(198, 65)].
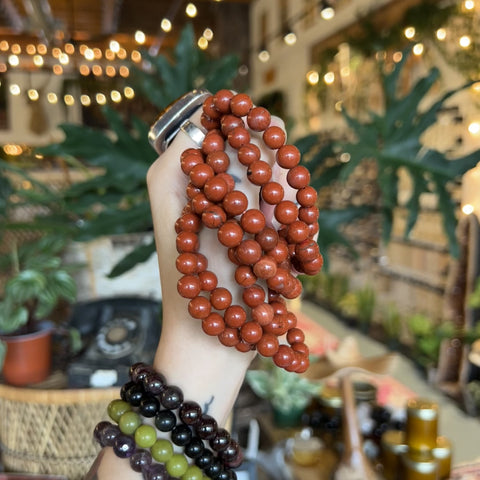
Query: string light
[(166, 25), (52, 97), (42, 49), (13, 60), (136, 56), (30, 49), (84, 70), (290, 38), (469, 4), (85, 100), (418, 49), (124, 71), (69, 48), (110, 70), (57, 69), (191, 10), (101, 98), (467, 209), (140, 37), (202, 43), (208, 34), (114, 46), (264, 55), (116, 96), (89, 54), (38, 60), (4, 46), (15, 89), (329, 78), (97, 53), (409, 32), (313, 77), (69, 100), (474, 128), (128, 92), (16, 49), (441, 34), (33, 94), (12, 149), (465, 41), (122, 54), (64, 59)]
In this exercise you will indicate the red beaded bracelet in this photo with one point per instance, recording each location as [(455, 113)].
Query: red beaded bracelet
[(266, 258)]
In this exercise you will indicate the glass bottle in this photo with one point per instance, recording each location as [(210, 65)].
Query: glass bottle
[(393, 446), (443, 454), (419, 466)]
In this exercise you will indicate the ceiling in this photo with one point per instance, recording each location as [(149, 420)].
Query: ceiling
[(96, 21)]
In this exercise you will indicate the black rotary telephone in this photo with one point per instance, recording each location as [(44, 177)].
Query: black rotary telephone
[(116, 332)]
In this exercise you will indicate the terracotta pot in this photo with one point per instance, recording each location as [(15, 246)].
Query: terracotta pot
[(28, 357)]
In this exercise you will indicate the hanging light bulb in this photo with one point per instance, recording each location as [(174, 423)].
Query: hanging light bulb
[(33, 94), (69, 100), (52, 97), (329, 78), (116, 96), (128, 92), (140, 37), (38, 60), (166, 25), (465, 41), (313, 77), (114, 46), (202, 43), (13, 60), (208, 34), (15, 89), (409, 32), (289, 37), (441, 34), (327, 12), (101, 98), (418, 49), (469, 4), (264, 55), (191, 10), (85, 100)]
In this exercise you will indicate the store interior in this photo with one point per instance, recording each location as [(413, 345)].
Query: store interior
[(382, 100)]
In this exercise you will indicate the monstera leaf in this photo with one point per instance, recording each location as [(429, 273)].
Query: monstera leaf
[(393, 139)]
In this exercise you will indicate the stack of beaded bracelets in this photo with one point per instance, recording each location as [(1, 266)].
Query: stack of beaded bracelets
[(265, 257), (208, 451)]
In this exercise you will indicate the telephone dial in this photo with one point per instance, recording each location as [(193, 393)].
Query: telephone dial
[(116, 332)]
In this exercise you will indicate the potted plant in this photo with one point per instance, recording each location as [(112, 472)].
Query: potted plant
[(287, 393), (36, 280)]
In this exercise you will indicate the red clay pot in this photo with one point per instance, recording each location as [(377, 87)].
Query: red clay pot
[(28, 358)]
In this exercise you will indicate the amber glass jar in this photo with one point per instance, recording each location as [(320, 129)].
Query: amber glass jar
[(419, 466), (422, 424), (443, 454), (393, 446)]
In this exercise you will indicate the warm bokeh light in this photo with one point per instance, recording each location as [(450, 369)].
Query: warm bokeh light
[(313, 77), (16, 49), (12, 149), (418, 49), (13, 60), (469, 4), (97, 70), (409, 32), (33, 94), (290, 38), (84, 70), (110, 71), (52, 97), (15, 89), (69, 100), (38, 60), (101, 98), (191, 10), (136, 56), (109, 55), (474, 128), (122, 54), (64, 59), (88, 54), (166, 25), (467, 209), (4, 46), (114, 46), (69, 48), (140, 37), (85, 100), (31, 49), (202, 43), (42, 49), (441, 34), (329, 78), (327, 13), (465, 41), (264, 56), (116, 96), (128, 92), (208, 34), (57, 69), (124, 71)]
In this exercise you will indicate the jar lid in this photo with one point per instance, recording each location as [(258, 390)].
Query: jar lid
[(443, 448), (422, 462), (422, 408), (394, 441), (364, 391), (331, 397)]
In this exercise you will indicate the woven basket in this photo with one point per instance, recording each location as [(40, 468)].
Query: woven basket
[(51, 431)]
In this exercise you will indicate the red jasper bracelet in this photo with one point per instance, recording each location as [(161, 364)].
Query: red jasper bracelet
[(266, 258)]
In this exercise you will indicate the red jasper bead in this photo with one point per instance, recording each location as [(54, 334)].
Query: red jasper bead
[(200, 203), (304, 363), (214, 216), (286, 212), (268, 345), (248, 153), (229, 337), (220, 298), (243, 346), (266, 267), (192, 190), (262, 314), (210, 109), (291, 320), (259, 172), (307, 250), (230, 122), (208, 281), (279, 307), (298, 177), (222, 100), (284, 356), (200, 173), (295, 335), (295, 291), (278, 281), (313, 228), (251, 332), (188, 286), (199, 307), (297, 232), (235, 316), (253, 296), (253, 221), (232, 255), (230, 234), (274, 137), (258, 119), (300, 347), (209, 123), (241, 104), (213, 324), (238, 136), (235, 203), (307, 196), (288, 156), (244, 276), (278, 326), (248, 252), (215, 189), (219, 161), (228, 180), (188, 222), (314, 266), (186, 263), (189, 161), (187, 242), (308, 214), (272, 193), (267, 238), (213, 142), (280, 251)]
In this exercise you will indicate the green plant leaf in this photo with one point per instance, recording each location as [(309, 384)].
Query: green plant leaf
[(138, 255)]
